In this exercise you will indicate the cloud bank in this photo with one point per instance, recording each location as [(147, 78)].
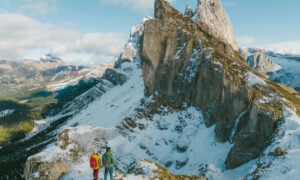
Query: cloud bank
[(245, 40), (20, 35), (288, 47)]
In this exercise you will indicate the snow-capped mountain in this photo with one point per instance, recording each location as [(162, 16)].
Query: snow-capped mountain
[(183, 98), (50, 58), (259, 60), (281, 68)]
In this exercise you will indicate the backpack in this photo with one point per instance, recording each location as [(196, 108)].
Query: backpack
[(106, 161), (93, 162)]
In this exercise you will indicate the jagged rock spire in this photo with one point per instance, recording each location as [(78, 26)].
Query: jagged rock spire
[(188, 11), (212, 13)]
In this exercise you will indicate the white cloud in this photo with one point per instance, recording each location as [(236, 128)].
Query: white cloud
[(244, 40), (38, 6), (142, 6), (110, 44), (289, 47), (21, 35)]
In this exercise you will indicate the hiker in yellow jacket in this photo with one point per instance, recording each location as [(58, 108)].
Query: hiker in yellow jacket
[(95, 163)]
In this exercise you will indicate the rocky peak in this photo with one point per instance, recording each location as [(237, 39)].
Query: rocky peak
[(188, 11), (132, 47), (50, 58), (185, 63), (212, 13)]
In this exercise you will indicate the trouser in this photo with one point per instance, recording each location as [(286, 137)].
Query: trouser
[(95, 174), (111, 171)]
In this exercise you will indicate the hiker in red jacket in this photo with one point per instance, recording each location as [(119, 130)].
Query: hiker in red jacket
[(95, 163)]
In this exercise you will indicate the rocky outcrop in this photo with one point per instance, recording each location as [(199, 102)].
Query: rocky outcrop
[(35, 169), (258, 60), (132, 47), (73, 146), (115, 76), (185, 64), (212, 13)]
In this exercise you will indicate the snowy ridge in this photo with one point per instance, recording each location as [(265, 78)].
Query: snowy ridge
[(179, 140), (289, 73), (138, 128), (106, 110), (253, 79)]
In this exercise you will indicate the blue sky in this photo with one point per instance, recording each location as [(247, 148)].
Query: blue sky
[(94, 31)]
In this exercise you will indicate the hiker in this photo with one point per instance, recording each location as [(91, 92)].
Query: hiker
[(95, 163), (108, 162)]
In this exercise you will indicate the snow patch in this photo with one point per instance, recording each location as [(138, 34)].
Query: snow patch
[(253, 79), (6, 112), (110, 109)]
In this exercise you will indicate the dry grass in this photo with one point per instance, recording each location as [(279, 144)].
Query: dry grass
[(163, 174), (288, 93)]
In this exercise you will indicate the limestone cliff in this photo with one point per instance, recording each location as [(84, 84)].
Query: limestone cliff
[(211, 13), (185, 63), (258, 60)]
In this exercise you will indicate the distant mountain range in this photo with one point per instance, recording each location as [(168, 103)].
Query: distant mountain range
[(15, 76)]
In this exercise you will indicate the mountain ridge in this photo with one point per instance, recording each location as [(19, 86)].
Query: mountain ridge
[(197, 88)]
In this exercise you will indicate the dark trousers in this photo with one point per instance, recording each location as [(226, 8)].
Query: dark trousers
[(95, 174), (111, 171)]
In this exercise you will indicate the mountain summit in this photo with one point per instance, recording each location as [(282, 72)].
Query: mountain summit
[(186, 63), (50, 58), (212, 13)]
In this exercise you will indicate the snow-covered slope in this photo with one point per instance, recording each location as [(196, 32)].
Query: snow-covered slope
[(110, 109), (289, 74), (179, 140), (281, 159)]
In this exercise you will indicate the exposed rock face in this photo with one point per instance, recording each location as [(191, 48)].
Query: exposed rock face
[(132, 47), (35, 169), (183, 63), (211, 13), (114, 76), (50, 58), (258, 60), (72, 148)]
